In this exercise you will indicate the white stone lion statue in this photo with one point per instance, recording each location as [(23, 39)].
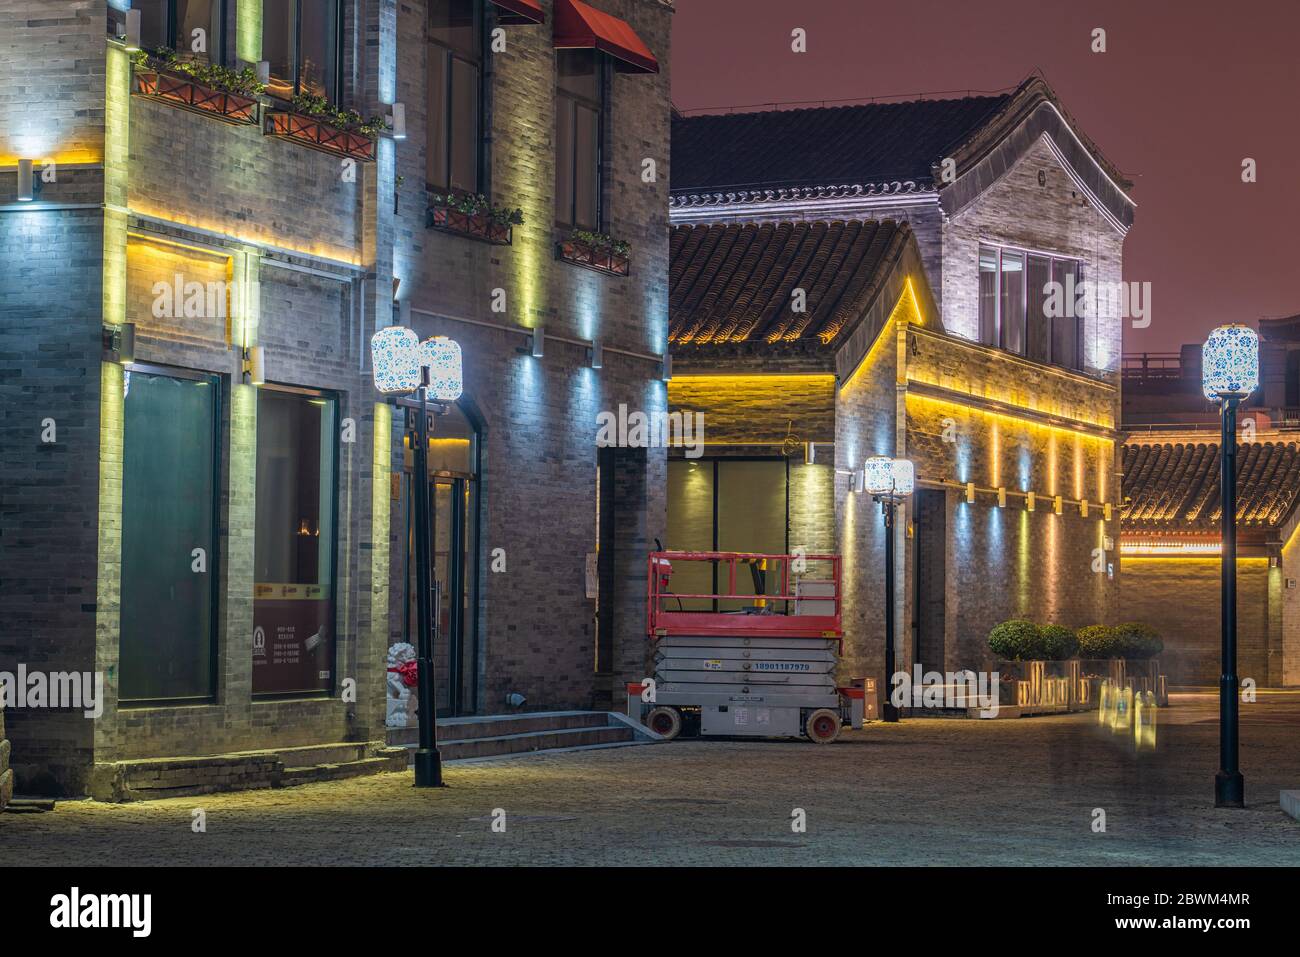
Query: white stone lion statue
[(401, 686)]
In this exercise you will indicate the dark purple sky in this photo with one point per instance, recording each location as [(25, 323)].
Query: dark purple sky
[(1185, 91)]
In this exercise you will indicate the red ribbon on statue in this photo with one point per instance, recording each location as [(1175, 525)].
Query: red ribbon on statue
[(410, 671)]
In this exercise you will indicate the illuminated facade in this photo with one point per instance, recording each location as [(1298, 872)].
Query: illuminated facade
[(918, 299), (214, 500)]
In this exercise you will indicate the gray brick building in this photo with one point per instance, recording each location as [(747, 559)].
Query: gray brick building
[(873, 280), (204, 499)]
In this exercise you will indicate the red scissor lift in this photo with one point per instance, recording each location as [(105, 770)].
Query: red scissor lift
[(753, 654)]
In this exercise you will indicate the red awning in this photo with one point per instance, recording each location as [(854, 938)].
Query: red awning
[(520, 11), (579, 26)]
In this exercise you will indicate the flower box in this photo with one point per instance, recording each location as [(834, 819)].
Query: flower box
[(184, 92), (600, 258), (474, 225), (319, 135)]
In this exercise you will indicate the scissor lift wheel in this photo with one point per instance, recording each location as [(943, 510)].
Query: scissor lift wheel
[(823, 726), (665, 721)]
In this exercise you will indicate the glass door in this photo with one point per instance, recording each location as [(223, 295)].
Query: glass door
[(452, 507)]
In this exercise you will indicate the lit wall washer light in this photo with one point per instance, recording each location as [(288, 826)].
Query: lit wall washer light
[(119, 343), (1230, 362), (26, 181), (1002, 498), (970, 493), (809, 453), (666, 368), (597, 354), (132, 38), (255, 366), (1083, 509), (397, 121), (1029, 501), (538, 343)]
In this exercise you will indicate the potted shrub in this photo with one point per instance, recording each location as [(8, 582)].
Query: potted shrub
[(207, 88), (1016, 640), (597, 251), (1097, 642), (315, 122), (474, 216), (1059, 643)]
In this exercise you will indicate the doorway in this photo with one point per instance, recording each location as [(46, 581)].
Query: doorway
[(931, 535), (453, 535)]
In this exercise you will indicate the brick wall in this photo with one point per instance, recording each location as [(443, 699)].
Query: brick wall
[(1179, 597), (538, 481)]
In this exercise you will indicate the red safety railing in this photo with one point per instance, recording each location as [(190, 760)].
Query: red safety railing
[(767, 614)]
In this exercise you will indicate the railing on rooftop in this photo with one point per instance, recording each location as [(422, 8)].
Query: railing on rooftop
[(1152, 365)]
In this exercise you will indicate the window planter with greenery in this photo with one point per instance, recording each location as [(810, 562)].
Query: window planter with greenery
[(474, 216), (210, 89), (315, 122), (596, 251)]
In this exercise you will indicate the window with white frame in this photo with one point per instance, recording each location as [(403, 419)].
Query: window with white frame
[(1027, 305)]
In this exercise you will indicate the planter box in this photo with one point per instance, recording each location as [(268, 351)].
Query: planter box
[(474, 225), (319, 135), (602, 260), (179, 90)]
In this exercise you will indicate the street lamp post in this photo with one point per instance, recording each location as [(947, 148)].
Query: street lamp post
[(1229, 373), (402, 364), (889, 481)]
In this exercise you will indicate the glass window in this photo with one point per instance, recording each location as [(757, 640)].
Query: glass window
[(293, 599), (1038, 327), (1065, 328), (988, 296), (728, 505), (1011, 302), (454, 75), (169, 535), (300, 40), (580, 83), (1015, 289), (173, 24)]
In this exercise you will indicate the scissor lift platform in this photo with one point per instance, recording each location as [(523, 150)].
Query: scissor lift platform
[(761, 664)]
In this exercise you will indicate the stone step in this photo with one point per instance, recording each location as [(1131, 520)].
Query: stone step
[(151, 778), (337, 772), (527, 742), (497, 725)]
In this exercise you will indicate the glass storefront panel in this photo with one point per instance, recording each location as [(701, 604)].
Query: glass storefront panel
[(293, 607), (169, 537)]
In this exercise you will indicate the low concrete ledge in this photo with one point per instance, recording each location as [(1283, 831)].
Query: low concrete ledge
[(1291, 804)]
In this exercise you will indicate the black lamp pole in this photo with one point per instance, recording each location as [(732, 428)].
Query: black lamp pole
[(1229, 786), (889, 505), (428, 762)]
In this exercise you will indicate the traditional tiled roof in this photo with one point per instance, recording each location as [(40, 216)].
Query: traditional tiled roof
[(1173, 488), (844, 147), (730, 283)]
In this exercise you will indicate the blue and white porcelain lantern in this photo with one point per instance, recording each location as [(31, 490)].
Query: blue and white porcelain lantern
[(882, 475), (1230, 362), (395, 356), (442, 356)]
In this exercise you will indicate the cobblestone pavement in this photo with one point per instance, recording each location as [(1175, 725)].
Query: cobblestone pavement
[(926, 791)]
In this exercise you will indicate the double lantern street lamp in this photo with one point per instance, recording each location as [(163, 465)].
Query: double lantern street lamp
[(432, 369), (1229, 373), (889, 482)]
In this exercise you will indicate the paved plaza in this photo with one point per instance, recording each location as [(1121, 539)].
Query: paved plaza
[(924, 792)]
